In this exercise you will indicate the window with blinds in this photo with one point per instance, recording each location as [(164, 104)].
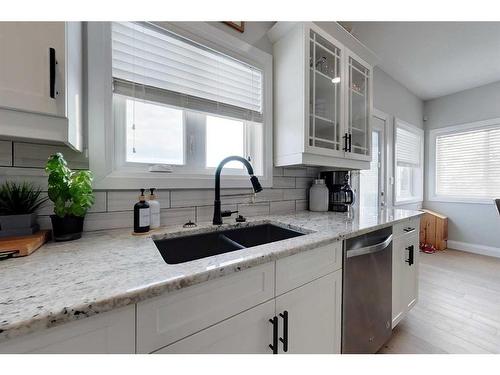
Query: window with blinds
[(408, 163), (181, 103), (468, 163)]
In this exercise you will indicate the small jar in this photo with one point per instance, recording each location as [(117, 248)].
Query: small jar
[(318, 196)]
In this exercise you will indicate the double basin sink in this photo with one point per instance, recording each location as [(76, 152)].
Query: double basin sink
[(196, 246)]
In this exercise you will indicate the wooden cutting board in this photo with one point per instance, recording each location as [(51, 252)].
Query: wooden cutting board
[(24, 245)]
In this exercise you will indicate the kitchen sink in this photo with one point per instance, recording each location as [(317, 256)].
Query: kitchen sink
[(197, 246)]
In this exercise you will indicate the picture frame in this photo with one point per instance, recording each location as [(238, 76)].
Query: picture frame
[(237, 25)]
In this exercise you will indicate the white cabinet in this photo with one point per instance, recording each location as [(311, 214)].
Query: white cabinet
[(41, 81), (111, 332), (322, 99), (310, 316), (405, 256), (246, 333)]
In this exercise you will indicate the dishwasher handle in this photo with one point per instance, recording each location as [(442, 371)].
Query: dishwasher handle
[(370, 249)]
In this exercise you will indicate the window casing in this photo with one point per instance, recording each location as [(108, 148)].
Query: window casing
[(464, 162), (408, 163), (190, 119)]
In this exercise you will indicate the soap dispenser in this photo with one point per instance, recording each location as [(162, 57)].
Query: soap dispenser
[(154, 208), (141, 214)]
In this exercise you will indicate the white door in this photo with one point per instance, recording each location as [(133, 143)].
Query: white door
[(25, 76), (373, 180), (313, 316), (410, 272), (249, 332)]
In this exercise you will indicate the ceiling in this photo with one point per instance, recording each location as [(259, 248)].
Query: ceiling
[(433, 59)]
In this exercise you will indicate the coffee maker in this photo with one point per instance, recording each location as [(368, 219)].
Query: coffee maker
[(341, 196)]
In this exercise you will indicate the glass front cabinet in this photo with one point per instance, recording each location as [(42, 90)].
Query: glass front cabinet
[(322, 99)]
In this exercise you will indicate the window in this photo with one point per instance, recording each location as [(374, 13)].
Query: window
[(467, 161), (180, 98), (409, 141)]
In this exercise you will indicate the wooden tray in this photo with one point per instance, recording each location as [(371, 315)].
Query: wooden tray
[(24, 245)]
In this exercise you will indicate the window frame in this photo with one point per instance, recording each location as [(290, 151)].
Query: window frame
[(102, 145), (431, 180), (419, 197)]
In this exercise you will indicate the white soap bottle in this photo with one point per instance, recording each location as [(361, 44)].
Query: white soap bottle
[(154, 209)]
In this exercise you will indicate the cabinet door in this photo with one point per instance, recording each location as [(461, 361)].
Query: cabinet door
[(249, 332), (25, 67), (397, 281), (314, 316), (359, 104), (325, 95)]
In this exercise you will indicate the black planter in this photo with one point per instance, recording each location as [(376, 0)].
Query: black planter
[(67, 228)]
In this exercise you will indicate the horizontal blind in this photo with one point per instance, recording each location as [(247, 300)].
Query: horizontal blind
[(408, 148), (154, 64), (468, 163)]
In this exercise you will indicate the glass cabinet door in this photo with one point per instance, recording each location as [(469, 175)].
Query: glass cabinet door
[(358, 113), (324, 94)]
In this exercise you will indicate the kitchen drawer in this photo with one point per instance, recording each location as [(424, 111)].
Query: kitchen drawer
[(299, 269), (406, 227), (165, 319)]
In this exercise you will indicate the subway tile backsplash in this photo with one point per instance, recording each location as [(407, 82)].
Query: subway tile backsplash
[(114, 208)]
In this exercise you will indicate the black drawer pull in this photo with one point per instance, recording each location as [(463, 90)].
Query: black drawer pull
[(52, 72), (409, 229), (274, 345), (346, 148), (284, 339), (410, 259)]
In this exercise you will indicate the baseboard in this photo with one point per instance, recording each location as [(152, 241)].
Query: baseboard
[(474, 248)]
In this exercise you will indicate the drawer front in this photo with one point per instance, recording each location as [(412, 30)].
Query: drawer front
[(165, 319), (299, 269), (407, 227), (111, 332)]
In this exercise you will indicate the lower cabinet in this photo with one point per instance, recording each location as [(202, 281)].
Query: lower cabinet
[(249, 332), (310, 317), (405, 255)]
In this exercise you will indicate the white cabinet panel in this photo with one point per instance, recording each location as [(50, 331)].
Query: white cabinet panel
[(314, 316), (299, 269), (111, 332), (166, 319), (247, 333), (25, 75)]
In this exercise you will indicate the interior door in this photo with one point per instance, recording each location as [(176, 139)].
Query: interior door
[(373, 180), (314, 316), (249, 332), (25, 74)]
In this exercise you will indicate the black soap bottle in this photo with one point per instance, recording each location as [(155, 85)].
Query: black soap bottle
[(141, 215)]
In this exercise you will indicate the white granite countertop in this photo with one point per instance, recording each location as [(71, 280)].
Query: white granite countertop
[(104, 270)]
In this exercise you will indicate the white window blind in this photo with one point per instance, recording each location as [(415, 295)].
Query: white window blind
[(155, 65), (468, 163), (408, 148)]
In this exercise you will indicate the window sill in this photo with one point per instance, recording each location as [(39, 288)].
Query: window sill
[(408, 201)]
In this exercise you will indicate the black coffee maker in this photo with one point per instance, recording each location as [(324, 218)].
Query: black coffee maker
[(341, 196)]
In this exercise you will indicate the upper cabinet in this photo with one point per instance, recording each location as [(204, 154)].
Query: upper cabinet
[(41, 82), (322, 99)]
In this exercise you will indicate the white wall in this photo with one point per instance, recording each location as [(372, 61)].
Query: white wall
[(472, 224), (394, 99)]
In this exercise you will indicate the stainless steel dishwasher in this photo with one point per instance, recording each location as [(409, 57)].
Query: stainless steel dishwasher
[(367, 292)]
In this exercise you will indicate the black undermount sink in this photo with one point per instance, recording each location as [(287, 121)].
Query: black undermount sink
[(191, 247)]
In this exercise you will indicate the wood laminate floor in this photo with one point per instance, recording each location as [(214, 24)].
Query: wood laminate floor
[(458, 309)]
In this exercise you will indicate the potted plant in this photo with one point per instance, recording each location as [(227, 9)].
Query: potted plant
[(18, 205), (72, 195)]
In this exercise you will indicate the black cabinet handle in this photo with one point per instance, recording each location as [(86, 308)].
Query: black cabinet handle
[(345, 143), (350, 142), (284, 339), (410, 259), (274, 345), (52, 72), (409, 229)]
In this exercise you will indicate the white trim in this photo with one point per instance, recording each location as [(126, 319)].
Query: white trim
[(431, 155), (474, 248), (416, 130), (101, 127)]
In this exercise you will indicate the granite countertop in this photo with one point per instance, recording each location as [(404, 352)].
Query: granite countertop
[(109, 269)]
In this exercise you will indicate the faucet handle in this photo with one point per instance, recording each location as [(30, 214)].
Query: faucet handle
[(227, 213)]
